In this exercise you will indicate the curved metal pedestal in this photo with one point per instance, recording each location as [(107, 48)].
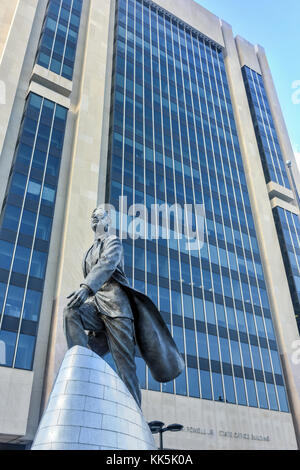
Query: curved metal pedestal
[(90, 408)]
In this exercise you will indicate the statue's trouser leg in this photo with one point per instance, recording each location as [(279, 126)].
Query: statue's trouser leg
[(120, 337), (79, 319)]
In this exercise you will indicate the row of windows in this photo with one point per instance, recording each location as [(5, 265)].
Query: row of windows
[(274, 170), (199, 297), (288, 229), (25, 227), (152, 117), (270, 152), (219, 387), (234, 237), (164, 179), (150, 259), (58, 42)]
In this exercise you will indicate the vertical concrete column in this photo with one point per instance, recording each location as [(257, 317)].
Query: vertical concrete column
[(16, 20), (7, 11), (280, 126), (277, 285), (84, 175)]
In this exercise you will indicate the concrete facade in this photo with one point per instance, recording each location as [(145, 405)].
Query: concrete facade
[(82, 185), (210, 425), (15, 393)]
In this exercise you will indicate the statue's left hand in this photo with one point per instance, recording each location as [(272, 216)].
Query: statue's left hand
[(78, 298)]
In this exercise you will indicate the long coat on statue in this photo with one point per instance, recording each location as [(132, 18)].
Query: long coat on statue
[(103, 268)]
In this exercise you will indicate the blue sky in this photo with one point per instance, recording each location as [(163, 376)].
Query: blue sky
[(275, 25)]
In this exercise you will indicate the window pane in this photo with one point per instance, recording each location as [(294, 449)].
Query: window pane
[(263, 403), (193, 382), (11, 218), (218, 387), (246, 355), (48, 195), (235, 351), (21, 260), (205, 385), (214, 348), (221, 315), (44, 228), (53, 166), (2, 294), (181, 384), (276, 362), (141, 371), (210, 315), (266, 360), (272, 396), (24, 153), (25, 351), (39, 159), (229, 389), (240, 390), (190, 342), (178, 338), (38, 264), (34, 190), (6, 251), (7, 347), (168, 387), (282, 398), (164, 299), (199, 309), (256, 357), (14, 301), (225, 350), (18, 184), (28, 223), (251, 393), (188, 306), (35, 101), (32, 305)]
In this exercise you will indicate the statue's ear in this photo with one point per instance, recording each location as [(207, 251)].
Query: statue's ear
[(108, 222)]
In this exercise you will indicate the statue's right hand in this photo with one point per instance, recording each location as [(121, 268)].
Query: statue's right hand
[(78, 297)]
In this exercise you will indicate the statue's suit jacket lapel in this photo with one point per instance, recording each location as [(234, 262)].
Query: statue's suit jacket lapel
[(88, 261)]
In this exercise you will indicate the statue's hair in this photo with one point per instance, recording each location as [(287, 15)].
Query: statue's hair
[(102, 209)]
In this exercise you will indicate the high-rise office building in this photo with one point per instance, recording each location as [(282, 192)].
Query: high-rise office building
[(150, 104)]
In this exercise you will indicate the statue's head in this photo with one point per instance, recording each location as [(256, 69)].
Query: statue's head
[(100, 220)]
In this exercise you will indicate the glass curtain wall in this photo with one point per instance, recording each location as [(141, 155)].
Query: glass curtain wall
[(287, 223), (59, 37), (173, 140), (25, 228)]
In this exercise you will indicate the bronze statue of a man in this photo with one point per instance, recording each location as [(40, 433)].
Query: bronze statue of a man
[(118, 316)]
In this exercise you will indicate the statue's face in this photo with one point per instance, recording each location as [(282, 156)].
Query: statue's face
[(99, 220)]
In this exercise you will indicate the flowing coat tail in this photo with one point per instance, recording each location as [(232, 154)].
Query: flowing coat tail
[(153, 338)]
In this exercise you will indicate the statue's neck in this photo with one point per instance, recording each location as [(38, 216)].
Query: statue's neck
[(100, 236)]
